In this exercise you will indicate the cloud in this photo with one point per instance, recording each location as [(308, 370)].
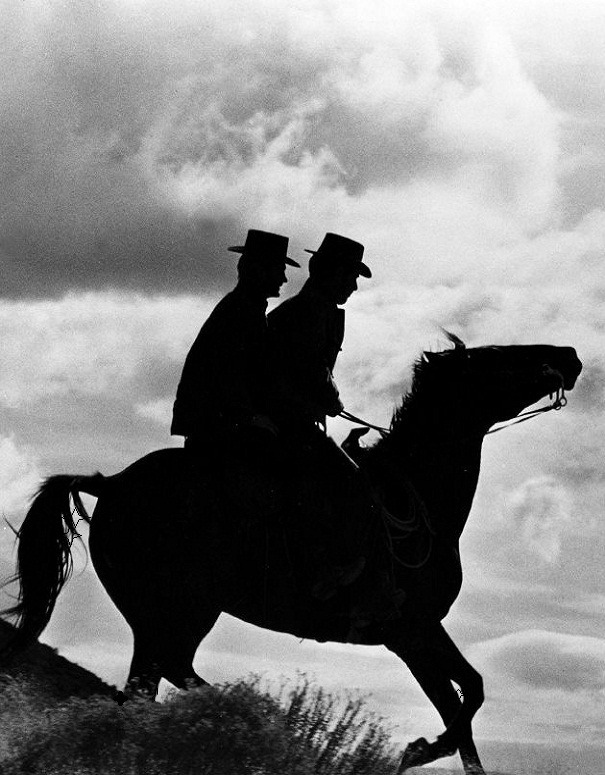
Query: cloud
[(159, 411), (561, 47), (95, 344), (590, 393), (19, 479), (541, 510), (546, 660), (19, 476), (540, 683), (142, 142)]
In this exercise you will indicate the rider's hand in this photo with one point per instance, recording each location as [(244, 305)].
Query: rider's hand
[(335, 408)]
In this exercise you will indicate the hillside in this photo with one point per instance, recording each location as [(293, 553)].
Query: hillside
[(54, 677), (236, 728), (303, 731)]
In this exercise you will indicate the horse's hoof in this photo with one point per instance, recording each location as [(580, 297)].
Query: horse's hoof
[(120, 697), (416, 754)]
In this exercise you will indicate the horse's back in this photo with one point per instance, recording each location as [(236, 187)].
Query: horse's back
[(152, 469), (139, 498)]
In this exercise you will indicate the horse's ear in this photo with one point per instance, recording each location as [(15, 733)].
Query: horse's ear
[(459, 345), (430, 357)]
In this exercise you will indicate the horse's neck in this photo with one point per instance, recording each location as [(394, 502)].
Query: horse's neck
[(442, 461)]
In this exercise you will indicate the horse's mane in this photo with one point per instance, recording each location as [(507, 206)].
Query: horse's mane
[(404, 415), (416, 398), (410, 399), (422, 376)]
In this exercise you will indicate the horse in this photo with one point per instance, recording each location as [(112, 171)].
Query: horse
[(164, 568)]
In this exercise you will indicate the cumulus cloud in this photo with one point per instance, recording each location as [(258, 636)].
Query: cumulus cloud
[(547, 660), (19, 476), (143, 142), (94, 344), (541, 683), (590, 394), (541, 510), (159, 411)]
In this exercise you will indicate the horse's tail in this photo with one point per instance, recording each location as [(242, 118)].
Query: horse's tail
[(44, 561)]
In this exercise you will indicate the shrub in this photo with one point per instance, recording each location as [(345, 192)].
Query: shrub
[(224, 730)]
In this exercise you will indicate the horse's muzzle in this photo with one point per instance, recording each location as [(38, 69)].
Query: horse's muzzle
[(570, 368)]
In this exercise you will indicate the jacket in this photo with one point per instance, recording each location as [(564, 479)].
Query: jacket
[(305, 336), (226, 373)]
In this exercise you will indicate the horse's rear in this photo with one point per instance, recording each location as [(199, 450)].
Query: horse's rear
[(138, 534), (151, 561), (174, 543), (141, 499)]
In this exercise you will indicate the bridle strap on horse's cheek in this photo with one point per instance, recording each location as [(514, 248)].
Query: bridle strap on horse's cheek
[(557, 397)]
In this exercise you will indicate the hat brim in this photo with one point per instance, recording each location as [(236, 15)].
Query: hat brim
[(286, 259), (362, 268)]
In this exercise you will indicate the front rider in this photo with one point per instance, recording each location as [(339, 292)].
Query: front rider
[(221, 399), (306, 334)]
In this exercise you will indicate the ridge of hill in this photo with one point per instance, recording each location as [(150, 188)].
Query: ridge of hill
[(55, 677)]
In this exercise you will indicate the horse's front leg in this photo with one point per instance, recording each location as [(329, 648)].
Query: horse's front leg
[(435, 662)]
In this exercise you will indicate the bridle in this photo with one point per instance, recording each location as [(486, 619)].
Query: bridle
[(557, 398)]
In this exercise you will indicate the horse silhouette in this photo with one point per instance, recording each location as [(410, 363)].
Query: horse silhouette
[(172, 570)]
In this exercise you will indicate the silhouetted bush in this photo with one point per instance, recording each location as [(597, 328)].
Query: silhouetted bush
[(234, 729)]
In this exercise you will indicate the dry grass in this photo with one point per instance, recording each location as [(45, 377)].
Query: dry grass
[(234, 728)]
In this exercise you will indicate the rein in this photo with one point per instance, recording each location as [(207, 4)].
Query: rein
[(358, 421), (558, 402)]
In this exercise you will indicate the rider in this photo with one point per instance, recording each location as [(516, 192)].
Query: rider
[(222, 395), (306, 333)]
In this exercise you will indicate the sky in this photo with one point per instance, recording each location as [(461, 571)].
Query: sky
[(462, 143)]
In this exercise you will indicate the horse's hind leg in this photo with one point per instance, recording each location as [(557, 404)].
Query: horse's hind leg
[(167, 653), (179, 649), (149, 665), (145, 672), (185, 678), (177, 663)]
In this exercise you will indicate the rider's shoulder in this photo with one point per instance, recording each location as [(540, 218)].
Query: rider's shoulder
[(301, 304), (233, 305)]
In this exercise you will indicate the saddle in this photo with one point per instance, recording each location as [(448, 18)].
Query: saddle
[(309, 492)]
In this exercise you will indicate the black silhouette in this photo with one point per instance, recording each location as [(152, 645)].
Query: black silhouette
[(225, 382), (171, 575), (306, 333)]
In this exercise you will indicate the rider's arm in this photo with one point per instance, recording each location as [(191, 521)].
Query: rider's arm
[(304, 377)]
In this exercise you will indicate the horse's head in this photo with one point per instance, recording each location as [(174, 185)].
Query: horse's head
[(495, 383)]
